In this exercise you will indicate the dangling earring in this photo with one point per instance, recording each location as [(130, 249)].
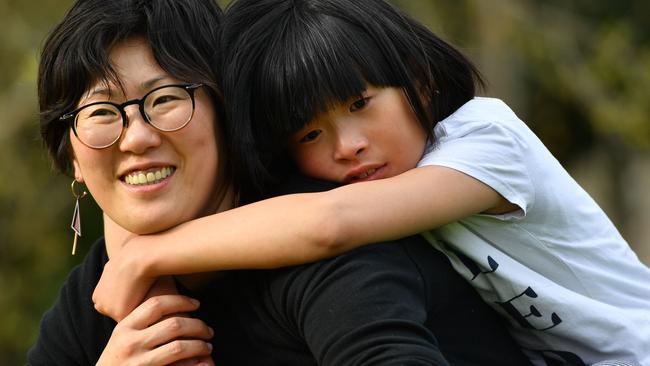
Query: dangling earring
[(76, 218)]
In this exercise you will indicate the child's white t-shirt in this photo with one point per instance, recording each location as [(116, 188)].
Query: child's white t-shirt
[(558, 269)]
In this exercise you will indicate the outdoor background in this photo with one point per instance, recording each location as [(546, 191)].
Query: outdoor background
[(578, 72)]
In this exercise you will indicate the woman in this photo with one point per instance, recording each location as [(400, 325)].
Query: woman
[(121, 50), (130, 106)]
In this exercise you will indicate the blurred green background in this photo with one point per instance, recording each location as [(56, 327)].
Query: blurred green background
[(577, 71)]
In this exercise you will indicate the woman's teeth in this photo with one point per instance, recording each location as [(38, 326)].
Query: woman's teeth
[(153, 176)]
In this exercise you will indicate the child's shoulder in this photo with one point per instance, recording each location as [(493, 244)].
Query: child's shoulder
[(481, 115), (482, 109)]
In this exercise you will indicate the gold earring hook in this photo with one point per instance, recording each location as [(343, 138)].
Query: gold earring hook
[(76, 218), (74, 194)]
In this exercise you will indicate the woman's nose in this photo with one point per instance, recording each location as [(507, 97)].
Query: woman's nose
[(139, 135)]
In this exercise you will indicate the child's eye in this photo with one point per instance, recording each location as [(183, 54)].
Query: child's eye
[(359, 104), (310, 136)]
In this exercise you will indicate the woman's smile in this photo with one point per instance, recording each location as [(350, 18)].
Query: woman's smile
[(148, 177), (150, 180)]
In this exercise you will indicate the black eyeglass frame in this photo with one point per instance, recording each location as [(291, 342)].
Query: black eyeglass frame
[(189, 88)]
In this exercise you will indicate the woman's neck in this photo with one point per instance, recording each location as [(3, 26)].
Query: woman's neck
[(115, 236)]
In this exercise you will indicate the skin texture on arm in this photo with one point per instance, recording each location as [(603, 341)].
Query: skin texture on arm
[(293, 229)]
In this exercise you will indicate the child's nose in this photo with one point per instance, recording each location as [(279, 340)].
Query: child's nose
[(350, 146)]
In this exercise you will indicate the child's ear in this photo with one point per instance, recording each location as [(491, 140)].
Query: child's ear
[(427, 93)]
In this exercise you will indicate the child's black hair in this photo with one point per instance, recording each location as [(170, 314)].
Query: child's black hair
[(286, 61)]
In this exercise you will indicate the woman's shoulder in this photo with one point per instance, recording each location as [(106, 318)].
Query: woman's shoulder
[(85, 275), (71, 331), (76, 291)]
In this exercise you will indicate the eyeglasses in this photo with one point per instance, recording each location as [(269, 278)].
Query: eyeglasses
[(167, 108)]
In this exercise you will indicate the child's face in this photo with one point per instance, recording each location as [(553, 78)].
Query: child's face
[(371, 138)]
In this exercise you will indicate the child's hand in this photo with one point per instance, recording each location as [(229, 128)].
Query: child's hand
[(123, 284)]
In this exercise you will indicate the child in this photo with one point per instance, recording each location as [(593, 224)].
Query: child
[(357, 92)]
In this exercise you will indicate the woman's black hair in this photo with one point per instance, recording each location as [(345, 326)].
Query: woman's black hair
[(183, 35), (286, 61)]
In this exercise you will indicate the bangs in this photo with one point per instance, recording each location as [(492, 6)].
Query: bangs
[(312, 65), (287, 61)]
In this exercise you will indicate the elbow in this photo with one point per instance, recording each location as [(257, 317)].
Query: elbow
[(328, 241), (333, 236)]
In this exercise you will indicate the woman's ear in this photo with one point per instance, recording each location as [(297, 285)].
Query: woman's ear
[(78, 176)]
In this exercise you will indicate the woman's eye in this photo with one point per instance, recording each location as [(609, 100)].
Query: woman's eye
[(164, 99), (359, 104), (102, 113), (310, 136)]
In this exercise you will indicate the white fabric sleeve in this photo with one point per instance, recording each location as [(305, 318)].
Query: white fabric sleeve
[(489, 152)]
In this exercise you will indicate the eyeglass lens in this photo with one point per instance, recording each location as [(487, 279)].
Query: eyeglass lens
[(167, 109)]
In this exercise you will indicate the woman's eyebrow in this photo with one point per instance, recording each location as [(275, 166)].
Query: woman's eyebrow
[(99, 90), (153, 81), (145, 85)]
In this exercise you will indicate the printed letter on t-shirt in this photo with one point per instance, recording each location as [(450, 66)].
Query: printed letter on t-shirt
[(474, 268), (522, 318), (491, 266)]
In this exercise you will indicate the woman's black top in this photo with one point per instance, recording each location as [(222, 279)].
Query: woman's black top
[(394, 303)]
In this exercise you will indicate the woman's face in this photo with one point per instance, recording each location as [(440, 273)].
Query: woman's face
[(186, 163)]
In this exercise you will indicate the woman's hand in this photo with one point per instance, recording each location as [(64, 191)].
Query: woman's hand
[(153, 334)]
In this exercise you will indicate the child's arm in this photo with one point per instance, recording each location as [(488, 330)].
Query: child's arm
[(294, 229), (115, 236)]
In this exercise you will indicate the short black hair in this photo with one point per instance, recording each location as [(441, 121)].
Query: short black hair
[(286, 61), (183, 35)]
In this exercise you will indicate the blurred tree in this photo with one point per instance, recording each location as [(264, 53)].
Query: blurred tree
[(577, 71), (34, 204)]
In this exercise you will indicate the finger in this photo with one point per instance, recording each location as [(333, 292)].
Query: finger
[(176, 327), (179, 350), (205, 361), (187, 362), (196, 361), (157, 307), (162, 286)]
